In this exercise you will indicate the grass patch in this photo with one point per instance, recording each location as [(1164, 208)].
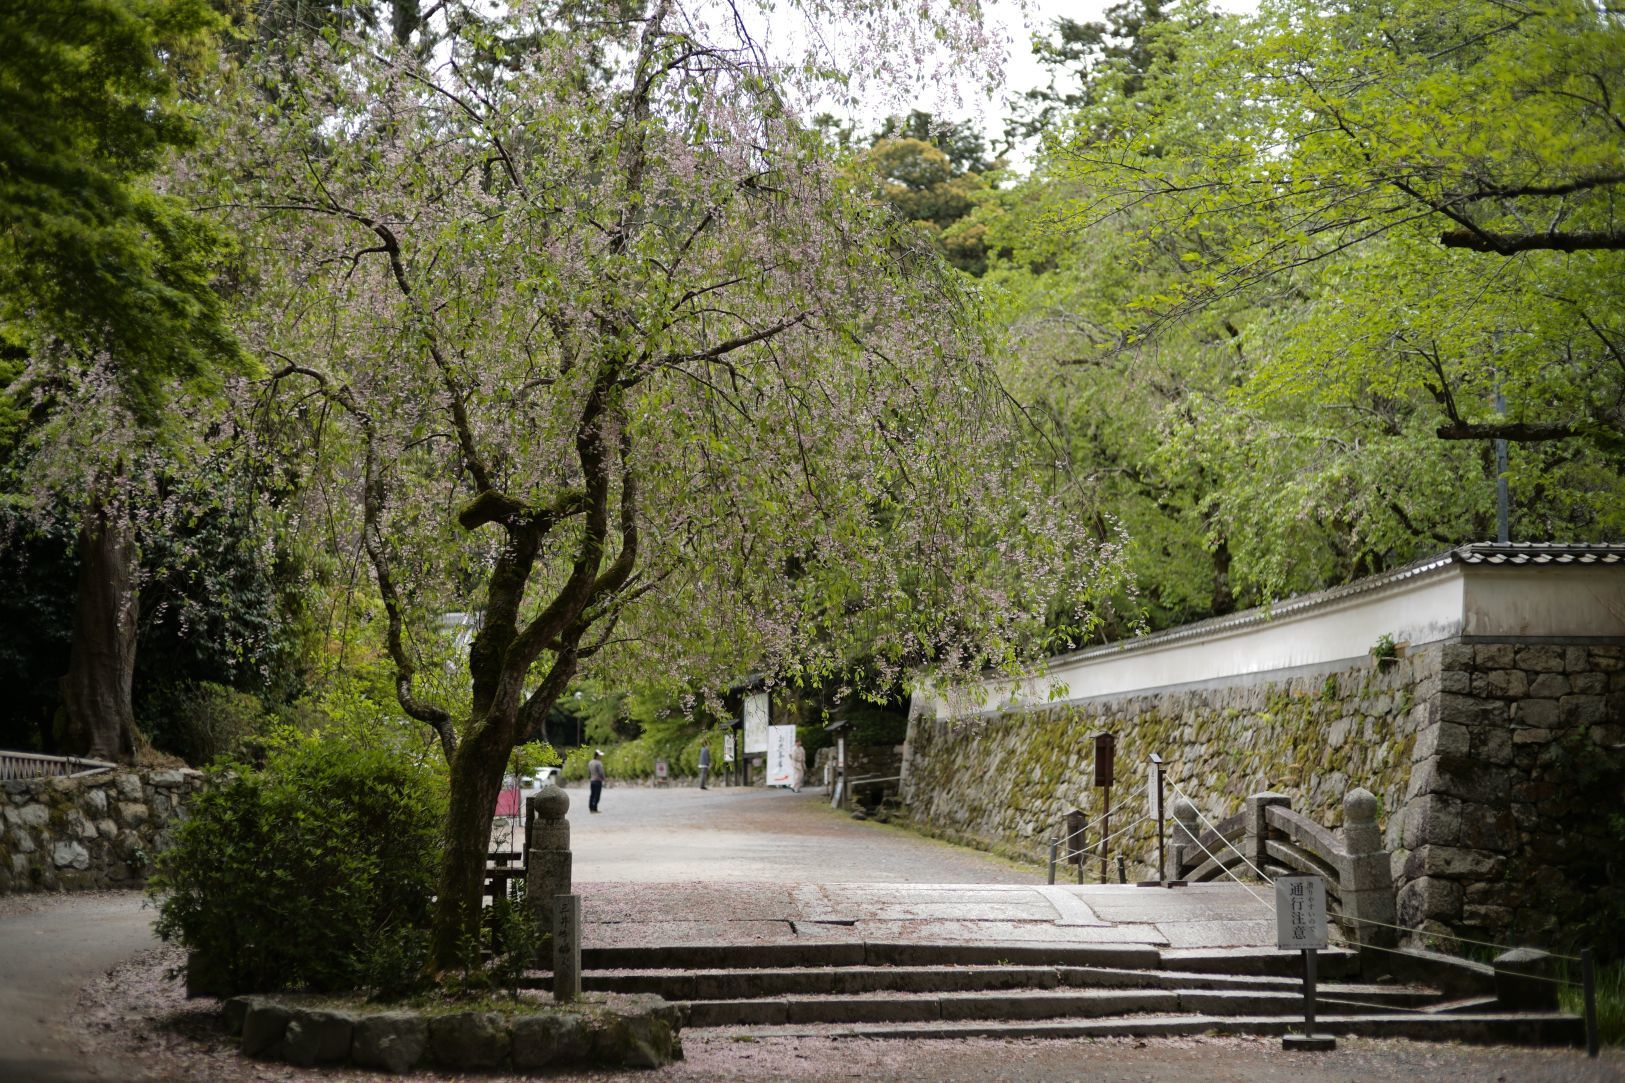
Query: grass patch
[(1610, 998)]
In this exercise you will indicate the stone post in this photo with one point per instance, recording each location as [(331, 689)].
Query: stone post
[(547, 861), (1258, 828), (1187, 827), (1367, 887), (1526, 981), (566, 948)]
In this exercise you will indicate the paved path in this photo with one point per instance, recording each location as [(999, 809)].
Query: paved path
[(675, 865), (49, 947)]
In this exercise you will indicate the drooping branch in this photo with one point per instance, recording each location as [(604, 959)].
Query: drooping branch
[(372, 509)]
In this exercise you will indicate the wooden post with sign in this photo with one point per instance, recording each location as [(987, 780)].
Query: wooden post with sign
[(1300, 924), (1105, 768)]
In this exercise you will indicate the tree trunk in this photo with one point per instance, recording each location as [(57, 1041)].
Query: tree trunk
[(101, 662), (475, 780)]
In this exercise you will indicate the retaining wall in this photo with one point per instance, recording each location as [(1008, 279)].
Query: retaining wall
[(1499, 768), (90, 831)]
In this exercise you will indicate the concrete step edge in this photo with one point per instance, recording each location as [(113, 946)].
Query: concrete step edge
[(1520, 1028)]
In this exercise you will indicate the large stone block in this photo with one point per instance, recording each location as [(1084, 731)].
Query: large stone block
[(468, 1040), (1429, 899), (1452, 862), (1589, 684), (541, 1040), (1457, 656), (393, 1041), (1549, 686), (1536, 712), (264, 1027), (1583, 710), (95, 800), (1540, 659), (1502, 684), (1488, 829), (1471, 780), (317, 1036), (1492, 744), (1442, 738)]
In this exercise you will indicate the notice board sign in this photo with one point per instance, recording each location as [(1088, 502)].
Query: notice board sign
[(756, 723), (1300, 911)]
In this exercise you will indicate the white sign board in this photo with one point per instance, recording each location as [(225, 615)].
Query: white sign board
[(781, 741), (756, 723), (1153, 795), (1300, 911), (727, 748)]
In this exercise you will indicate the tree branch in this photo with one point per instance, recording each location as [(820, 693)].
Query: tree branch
[(1508, 244), (1516, 431)]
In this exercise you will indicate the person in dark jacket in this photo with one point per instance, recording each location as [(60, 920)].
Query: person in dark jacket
[(595, 778)]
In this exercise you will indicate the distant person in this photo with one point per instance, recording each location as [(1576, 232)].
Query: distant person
[(595, 778), (798, 766), (705, 764)]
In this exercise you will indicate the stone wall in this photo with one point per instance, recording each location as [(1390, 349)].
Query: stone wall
[(1499, 768), (91, 831), (1515, 814), (1007, 779)]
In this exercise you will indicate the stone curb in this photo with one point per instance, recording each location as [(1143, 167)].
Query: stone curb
[(623, 1031)]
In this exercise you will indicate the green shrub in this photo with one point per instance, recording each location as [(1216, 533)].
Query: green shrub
[(202, 721), (312, 872)]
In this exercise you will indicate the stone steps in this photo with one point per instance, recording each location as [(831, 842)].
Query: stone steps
[(955, 989), (1025, 1004), (714, 984), (1522, 1028)]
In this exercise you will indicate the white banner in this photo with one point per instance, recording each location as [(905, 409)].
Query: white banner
[(756, 723), (781, 741)]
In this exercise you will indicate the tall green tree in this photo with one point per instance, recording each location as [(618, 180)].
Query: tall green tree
[(106, 293)]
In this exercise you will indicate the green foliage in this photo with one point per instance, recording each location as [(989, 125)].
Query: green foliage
[(90, 253), (313, 871), (204, 721)]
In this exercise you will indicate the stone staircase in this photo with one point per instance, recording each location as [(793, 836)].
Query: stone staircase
[(880, 989)]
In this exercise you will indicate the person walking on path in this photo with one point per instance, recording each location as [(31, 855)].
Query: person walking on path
[(705, 764), (798, 766), (595, 779)]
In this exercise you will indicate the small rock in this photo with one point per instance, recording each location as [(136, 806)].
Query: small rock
[(70, 855)]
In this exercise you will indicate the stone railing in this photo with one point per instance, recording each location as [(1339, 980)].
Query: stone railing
[(1268, 837)]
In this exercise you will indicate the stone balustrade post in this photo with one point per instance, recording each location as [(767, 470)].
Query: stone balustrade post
[(1187, 826), (1258, 828), (548, 864), (1367, 887)]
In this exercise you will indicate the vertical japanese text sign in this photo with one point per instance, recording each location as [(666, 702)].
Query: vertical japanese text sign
[(1300, 912)]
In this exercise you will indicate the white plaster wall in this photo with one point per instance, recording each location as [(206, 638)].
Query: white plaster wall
[(1435, 602), (1575, 600)]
